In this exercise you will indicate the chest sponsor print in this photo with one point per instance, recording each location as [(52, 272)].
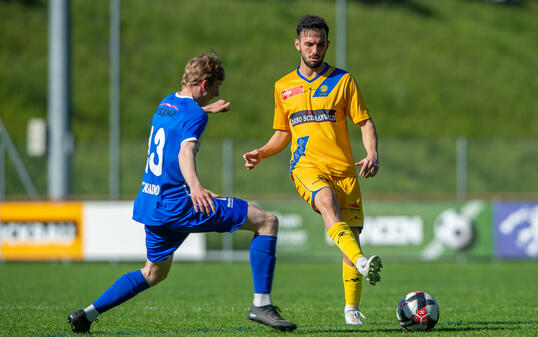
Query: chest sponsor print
[(288, 93), (308, 116)]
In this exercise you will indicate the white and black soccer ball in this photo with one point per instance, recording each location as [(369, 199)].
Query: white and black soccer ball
[(417, 311)]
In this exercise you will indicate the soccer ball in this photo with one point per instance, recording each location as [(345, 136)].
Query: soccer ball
[(417, 311)]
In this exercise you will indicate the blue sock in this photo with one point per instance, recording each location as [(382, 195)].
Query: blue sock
[(123, 289), (262, 262)]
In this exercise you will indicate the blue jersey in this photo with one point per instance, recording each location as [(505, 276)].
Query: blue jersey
[(164, 196)]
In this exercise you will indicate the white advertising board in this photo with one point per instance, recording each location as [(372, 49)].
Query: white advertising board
[(79, 231), (110, 233)]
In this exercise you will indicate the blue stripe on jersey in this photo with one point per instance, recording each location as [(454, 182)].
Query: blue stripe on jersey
[(315, 78), (329, 83), (299, 151)]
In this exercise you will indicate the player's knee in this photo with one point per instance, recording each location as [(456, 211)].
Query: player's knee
[(269, 224), (273, 223), (324, 199), (154, 276)]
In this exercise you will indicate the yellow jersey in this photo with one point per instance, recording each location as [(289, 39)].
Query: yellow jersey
[(315, 111)]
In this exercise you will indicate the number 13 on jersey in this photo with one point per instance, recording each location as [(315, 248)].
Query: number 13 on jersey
[(155, 158)]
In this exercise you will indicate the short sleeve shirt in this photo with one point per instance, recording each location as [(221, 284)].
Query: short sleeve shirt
[(315, 111), (164, 196)]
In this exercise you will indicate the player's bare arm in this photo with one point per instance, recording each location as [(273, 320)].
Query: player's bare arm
[(369, 164), (278, 141), (201, 197), (217, 106)]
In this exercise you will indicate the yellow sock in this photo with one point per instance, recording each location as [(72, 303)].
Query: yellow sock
[(342, 235), (352, 284)]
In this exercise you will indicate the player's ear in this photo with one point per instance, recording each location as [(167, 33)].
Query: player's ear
[(298, 44), (204, 85)]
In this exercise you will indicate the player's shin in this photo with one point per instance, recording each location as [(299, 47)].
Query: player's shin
[(262, 262), (126, 287), (343, 237), (352, 285)]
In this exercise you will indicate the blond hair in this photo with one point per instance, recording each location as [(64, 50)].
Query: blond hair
[(203, 67)]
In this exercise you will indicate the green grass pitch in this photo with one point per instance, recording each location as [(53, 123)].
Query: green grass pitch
[(212, 299)]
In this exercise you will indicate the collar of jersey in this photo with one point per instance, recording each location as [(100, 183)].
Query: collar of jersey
[(315, 78), (181, 96)]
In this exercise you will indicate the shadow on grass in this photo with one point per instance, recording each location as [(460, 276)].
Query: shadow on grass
[(458, 326), (444, 326), (172, 332), (482, 325)]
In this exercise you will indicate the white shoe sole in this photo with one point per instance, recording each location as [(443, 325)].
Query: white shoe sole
[(372, 269)]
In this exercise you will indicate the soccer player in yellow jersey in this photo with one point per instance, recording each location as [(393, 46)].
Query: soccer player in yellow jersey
[(312, 104)]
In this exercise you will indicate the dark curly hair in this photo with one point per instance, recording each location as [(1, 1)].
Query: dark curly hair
[(313, 22)]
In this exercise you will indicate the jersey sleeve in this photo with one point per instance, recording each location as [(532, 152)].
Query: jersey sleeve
[(280, 120), (356, 108), (193, 127)]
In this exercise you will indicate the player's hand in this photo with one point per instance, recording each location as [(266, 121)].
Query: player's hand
[(217, 106), (202, 200), (370, 166), (252, 158)]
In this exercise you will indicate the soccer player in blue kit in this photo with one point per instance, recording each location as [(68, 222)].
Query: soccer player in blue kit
[(172, 202)]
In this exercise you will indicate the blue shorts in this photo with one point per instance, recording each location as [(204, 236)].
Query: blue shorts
[(162, 241)]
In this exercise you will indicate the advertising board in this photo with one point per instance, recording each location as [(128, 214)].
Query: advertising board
[(91, 231), (408, 230), (41, 231), (516, 229)]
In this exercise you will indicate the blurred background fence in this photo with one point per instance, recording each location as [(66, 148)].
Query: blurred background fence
[(431, 72), (431, 199), (410, 169)]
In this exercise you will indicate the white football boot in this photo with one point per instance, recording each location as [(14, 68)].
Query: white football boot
[(353, 317), (370, 269)]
